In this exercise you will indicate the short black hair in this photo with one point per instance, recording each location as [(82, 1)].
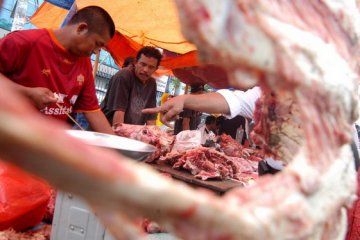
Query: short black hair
[(128, 61), (210, 119), (220, 120), (149, 51), (96, 18)]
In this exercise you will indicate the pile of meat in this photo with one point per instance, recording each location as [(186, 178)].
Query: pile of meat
[(207, 163), (230, 161), (304, 51), (41, 233)]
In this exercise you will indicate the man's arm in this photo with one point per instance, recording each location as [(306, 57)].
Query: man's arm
[(209, 102), (186, 123), (118, 117), (98, 122)]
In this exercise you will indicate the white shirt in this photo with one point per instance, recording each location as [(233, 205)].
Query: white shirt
[(241, 102)]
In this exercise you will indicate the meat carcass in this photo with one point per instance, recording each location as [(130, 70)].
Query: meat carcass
[(305, 57), (313, 59)]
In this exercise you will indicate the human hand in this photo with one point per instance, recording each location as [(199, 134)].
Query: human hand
[(41, 97), (169, 111)]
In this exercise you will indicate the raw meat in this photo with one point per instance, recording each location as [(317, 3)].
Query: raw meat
[(148, 134), (207, 163)]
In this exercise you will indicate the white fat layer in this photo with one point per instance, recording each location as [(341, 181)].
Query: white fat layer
[(348, 14), (317, 61), (244, 41)]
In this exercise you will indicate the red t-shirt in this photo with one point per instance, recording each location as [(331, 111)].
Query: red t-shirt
[(34, 58)]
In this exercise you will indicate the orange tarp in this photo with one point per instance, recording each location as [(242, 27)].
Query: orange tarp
[(139, 23), (145, 23), (121, 46)]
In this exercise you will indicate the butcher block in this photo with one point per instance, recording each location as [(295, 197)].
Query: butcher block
[(218, 186)]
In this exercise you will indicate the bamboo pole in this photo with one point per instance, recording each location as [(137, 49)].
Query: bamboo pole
[(186, 89), (95, 68)]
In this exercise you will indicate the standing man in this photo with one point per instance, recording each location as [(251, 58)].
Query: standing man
[(43, 64), (189, 119), (133, 90)]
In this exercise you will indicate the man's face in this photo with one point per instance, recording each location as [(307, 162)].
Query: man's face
[(145, 67), (86, 43)]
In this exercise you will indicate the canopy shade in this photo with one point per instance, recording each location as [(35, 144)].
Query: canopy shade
[(138, 23)]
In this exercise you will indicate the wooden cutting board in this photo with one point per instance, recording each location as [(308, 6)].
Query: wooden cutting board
[(219, 187)]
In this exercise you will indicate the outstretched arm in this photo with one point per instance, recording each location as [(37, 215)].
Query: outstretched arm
[(98, 122), (209, 102)]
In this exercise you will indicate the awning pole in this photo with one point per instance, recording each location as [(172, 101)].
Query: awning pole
[(95, 68), (186, 89)]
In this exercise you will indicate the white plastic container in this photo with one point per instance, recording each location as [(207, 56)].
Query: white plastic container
[(73, 220)]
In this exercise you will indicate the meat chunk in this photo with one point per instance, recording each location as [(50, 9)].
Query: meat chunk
[(148, 134)]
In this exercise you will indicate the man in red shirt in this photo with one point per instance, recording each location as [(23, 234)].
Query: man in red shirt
[(46, 63)]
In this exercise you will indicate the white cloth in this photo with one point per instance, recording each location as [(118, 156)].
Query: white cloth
[(240, 102), (186, 140), (206, 134), (276, 164)]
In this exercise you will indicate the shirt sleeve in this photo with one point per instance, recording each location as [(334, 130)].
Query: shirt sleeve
[(14, 49), (87, 100), (240, 102)]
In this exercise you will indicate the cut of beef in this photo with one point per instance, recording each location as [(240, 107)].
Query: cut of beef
[(232, 148), (148, 134)]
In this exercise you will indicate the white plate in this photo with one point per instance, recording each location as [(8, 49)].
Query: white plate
[(129, 147)]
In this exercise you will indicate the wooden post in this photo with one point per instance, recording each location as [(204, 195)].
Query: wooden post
[(95, 68), (186, 89)]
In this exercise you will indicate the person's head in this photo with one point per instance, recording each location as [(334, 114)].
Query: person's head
[(197, 88), (220, 120), (91, 28), (147, 61), (128, 62), (210, 122)]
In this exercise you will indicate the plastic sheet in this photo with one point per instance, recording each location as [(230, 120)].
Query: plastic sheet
[(23, 198)]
